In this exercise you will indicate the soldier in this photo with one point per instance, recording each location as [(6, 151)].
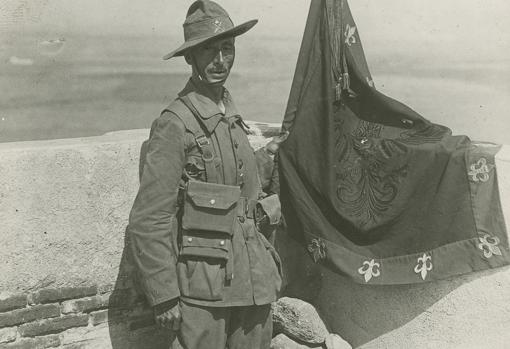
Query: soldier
[(206, 269)]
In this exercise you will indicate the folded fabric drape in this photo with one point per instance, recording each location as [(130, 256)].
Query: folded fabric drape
[(376, 191)]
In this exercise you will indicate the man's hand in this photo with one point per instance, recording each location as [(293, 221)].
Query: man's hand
[(274, 144), (168, 315), (334, 341)]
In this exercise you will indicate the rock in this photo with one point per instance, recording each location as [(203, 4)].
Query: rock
[(298, 320), (334, 341), (281, 341)]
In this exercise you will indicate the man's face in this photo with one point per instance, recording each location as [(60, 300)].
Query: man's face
[(213, 60)]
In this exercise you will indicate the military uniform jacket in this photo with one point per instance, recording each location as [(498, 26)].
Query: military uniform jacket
[(154, 224)]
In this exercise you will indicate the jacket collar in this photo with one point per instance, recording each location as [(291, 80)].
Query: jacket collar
[(207, 109)]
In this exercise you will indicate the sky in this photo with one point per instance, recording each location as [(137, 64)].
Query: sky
[(470, 25)]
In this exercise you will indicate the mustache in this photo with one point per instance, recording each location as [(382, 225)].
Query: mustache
[(220, 68)]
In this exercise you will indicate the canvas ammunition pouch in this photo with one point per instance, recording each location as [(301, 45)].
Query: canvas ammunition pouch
[(207, 221), (210, 206), (209, 214)]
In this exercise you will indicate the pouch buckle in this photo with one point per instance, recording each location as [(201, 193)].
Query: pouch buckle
[(202, 141)]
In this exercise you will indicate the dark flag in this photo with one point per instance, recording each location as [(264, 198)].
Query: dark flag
[(372, 189)]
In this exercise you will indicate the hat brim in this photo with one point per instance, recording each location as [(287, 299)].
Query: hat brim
[(235, 31)]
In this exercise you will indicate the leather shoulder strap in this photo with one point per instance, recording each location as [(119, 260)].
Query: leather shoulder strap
[(185, 111), (187, 117)]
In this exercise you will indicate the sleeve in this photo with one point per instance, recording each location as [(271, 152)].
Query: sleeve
[(268, 212), (264, 167), (274, 186), (268, 171), (152, 222)]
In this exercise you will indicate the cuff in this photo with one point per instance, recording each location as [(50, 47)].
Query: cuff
[(160, 288), (272, 208)]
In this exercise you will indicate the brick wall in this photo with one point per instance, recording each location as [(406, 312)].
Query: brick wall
[(78, 317)]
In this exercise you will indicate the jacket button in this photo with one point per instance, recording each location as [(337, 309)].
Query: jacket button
[(407, 122), (212, 202), (241, 219), (222, 243), (190, 239)]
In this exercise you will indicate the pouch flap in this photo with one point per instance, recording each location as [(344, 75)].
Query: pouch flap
[(206, 245), (211, 195)]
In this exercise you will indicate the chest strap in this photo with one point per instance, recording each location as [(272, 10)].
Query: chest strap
[(184, 110)]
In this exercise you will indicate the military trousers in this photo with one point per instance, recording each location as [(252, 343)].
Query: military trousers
[(243, 327)]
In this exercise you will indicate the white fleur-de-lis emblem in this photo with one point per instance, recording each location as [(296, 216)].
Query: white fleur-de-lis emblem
[(217, 24), (489, 245), (370, 269), (349, 35), (479, 171), (424, 266)]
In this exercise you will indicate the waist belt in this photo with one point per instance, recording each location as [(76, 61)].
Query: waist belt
[(246, 208)]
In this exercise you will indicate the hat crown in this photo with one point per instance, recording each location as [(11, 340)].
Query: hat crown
[(204, 9), (205, 18)]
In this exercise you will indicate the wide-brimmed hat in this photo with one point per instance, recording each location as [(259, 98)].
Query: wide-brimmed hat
[(206, 20)]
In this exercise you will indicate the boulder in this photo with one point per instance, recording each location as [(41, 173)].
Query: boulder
[(298, 320)]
